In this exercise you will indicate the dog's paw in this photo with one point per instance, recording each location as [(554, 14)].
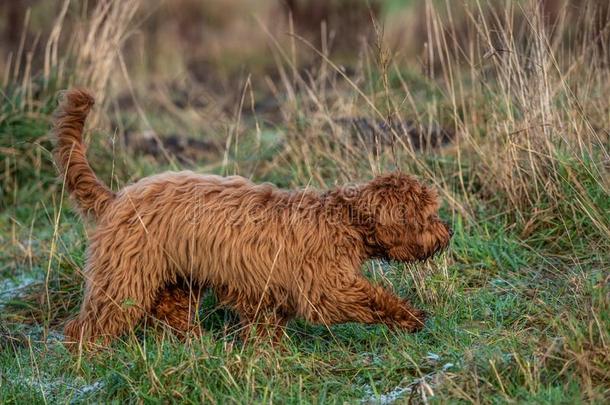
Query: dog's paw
[(420, 319), (411, 319)]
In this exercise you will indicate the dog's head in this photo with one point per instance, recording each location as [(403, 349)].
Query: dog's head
[(401, 218)]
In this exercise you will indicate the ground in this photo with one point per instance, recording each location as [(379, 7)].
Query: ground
[(518, 306), (508, 320)]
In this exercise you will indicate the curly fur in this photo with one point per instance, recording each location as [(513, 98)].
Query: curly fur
[(267, 253)]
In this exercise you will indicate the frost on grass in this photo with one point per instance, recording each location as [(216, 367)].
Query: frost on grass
[(423, 385), (387, 398), (52, 389), (13, 288), (86, 390)]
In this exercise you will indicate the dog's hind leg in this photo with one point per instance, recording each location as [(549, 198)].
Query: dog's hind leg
[(176, 307), (103, 317), (357, 300), (119, 290)]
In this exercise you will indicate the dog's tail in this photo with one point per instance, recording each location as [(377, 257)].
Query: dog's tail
[(91, 195)]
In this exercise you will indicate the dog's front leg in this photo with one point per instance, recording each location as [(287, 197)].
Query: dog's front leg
[(357, 300)]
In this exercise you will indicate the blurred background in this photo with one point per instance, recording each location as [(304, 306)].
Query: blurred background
[(213, 40), (179, 73), (277, 89)]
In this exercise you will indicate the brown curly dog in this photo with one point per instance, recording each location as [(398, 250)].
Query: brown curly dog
[(268, 254)]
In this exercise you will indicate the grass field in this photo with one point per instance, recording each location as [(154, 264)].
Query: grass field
[(520, 304)]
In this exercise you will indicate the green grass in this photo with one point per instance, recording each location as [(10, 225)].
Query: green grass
[(499, 323), (511, 319), (519, 306)]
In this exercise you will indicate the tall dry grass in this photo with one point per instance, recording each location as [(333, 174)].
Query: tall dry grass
[(88, 56), (527, 101), (525, 98), (524, 95)]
